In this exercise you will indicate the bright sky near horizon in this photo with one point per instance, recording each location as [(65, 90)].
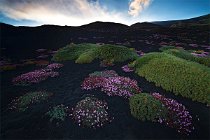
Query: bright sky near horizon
[(79, 12)]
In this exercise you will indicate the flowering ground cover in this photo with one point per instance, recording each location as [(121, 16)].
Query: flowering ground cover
[(157, 108), (23, 102), (111, 84), (57, 113), (54, 66), (200, 53), (178, 116), (126, 68), (37, 75), (91, 112), (34, 77)]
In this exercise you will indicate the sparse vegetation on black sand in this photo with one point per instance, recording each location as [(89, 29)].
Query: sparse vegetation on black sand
[(105, 91)]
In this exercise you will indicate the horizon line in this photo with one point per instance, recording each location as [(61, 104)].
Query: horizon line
[(103, 22)]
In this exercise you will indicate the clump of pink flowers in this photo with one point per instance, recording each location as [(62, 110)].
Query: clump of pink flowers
[(120, 86), (112, 86), (127, 69), (200, 53), (40, 50), (37, 75), (34, 77), (54, 66), (178, 116), (91, 112)]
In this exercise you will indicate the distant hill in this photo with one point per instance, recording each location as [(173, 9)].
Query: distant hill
[(104, 26), (145, 25), (197, 21)]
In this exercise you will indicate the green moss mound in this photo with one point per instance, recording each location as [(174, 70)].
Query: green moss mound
[(86, 53), (181, 53), (73, 51), (145, 107), (189, 79)]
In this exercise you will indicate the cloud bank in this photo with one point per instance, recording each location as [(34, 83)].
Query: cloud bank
[(136, 6), (60, 12)]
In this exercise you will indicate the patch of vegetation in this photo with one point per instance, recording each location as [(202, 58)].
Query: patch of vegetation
[(86, 53), (110, 83), (7, 67), (145, 107), (177, 75), (57, 113), (23, 102), (91, 112), (181, 53), (107, 73), (164, 48), (116, 53), (72, 51)]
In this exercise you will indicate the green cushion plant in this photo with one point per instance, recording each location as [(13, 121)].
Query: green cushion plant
[(189, 79), (145, 107), (57, 113), (23, 102), (86, 53)]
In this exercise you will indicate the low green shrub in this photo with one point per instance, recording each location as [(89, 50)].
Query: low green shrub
[(116, 53), (181, 53), (145, 107), (145, 59), (86, 53), (57, 113), (72, 51), (23, 102), (86, 57), (177, 75)]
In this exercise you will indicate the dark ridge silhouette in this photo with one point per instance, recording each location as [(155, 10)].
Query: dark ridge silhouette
[(25, 40), (104, 26), (201, 20), (145, 25)]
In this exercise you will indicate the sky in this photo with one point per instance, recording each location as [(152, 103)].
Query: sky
[(80, 12)]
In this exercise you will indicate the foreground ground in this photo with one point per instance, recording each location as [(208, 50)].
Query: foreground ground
[(67, 90)]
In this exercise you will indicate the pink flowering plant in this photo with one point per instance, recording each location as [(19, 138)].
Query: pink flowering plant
[(120, 86), (112, 86), (91, 112), (126, 68), (34, 77), (178, 116), (37, 75), (54, 66)]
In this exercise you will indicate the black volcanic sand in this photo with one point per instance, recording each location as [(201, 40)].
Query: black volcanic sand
[(21, 42), (33, 124)]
